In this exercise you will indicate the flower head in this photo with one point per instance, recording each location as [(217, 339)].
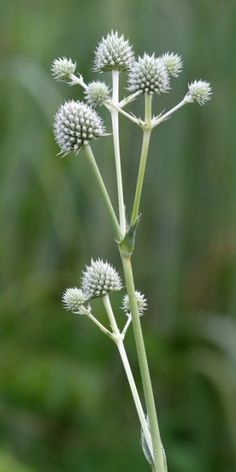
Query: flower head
[(148, 75), (75, 125), (96, 93), (199, 91), (173, 63), (113, 53), (99, 279), (141, 303), (62, 69), (73, 299)]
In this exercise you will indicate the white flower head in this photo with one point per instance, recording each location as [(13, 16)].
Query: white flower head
[(199, 91), (113, 53), (63, 68), (149, 75), (73, 299), (99, 279), (75, 125), (97, 93), (141, 303), (173, 63)]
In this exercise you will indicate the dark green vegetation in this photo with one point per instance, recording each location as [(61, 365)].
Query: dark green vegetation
[(64, 402)]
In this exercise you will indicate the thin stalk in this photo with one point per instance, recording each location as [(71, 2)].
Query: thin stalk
[(143, 158), (116, 142), (128, 371), (106, 198), (156, 121), (100, 325), (144, 368)]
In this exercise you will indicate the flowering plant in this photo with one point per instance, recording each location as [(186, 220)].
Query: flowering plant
[(77, 123)]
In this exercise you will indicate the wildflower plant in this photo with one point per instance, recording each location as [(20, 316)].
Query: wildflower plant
[(76, 125)]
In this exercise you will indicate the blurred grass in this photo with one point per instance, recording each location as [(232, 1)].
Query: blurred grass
[(64, 402)]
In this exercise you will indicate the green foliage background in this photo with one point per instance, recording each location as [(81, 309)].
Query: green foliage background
[(64, 401)]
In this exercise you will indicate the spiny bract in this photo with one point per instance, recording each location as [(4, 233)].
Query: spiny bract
[(113, 53), (99, 279), (75, 125)]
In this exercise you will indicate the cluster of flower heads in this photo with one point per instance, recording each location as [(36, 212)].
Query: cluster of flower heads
[(77, 123), (99, 279)]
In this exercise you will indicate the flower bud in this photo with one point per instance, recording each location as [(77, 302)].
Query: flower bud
[(99, 279), (199, 91), (141, 303), (73, 299), (62, 69), (75, 125), (148, 75), (96, 93), (173, 63), (113, 53)]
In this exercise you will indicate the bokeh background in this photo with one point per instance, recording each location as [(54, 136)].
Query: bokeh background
[(64, 401)]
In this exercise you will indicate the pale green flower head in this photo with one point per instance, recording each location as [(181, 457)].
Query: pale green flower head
[(114, 52), (73, 299), (99, 279), (97, 93), (63, 68), (173, 63), (141, 303), (149, 75), (76, 124), (199, 91)]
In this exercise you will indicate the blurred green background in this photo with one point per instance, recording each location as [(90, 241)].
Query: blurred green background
[(64, 401)]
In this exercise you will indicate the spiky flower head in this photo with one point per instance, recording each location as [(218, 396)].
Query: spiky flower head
[(141, 303), (173, 63), (75, 125), (149, 75), (199, 91), (97, 93), (63, 68), (113, 53), (99, 279), (73, 299)]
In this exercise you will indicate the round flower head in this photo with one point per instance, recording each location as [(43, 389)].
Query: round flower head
[(75, 125), (173, 63), (148, 75), (96, 93), (141, 303), (62, 69), (113, 53), (73, 299), (99, 279), (199, 91)]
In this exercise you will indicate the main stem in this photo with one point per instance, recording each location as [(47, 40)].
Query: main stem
[(128, 371), (128, 272), (144, 368), (143, 159), (116, 142), (102, 187)]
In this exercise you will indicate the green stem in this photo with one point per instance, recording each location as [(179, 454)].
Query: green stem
[(116, 142), (144, 368), (143, 158), (106, 198), (128, 371)]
